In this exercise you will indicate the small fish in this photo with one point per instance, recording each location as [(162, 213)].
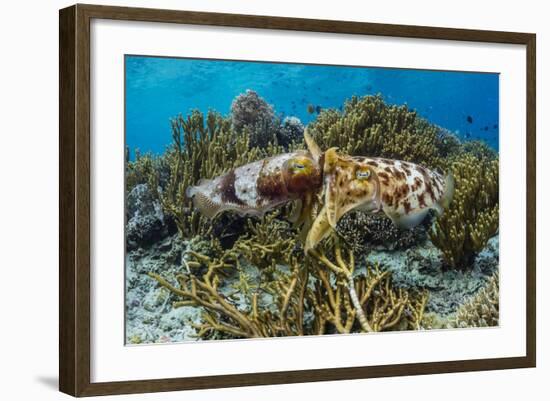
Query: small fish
[(310, 108), (258, 187), (469, 119), (318, 109), (495, 126), (404, 191)]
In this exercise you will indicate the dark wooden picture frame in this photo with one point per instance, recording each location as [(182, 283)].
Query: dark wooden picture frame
[(74, 199)]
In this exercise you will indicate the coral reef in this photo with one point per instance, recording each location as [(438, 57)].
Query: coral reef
[(149, 313), (244, 277), (251, 113), (369, 297), (143, 167), (270, 305), (145, 220), (447, 143), (479, 149), (370, 127), (482, 310), (472, 217)]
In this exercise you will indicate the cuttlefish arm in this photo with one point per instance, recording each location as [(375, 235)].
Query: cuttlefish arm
[(312, 146), (319, 230), (347, 185)]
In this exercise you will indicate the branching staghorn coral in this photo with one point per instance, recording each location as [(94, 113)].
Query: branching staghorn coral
[(479, 149), (143, 168), (202, 148), (291, 294), (270, 240), (472, 217), (369, 297), (283, 316), (370, 127), (447, 143), (482, 310)]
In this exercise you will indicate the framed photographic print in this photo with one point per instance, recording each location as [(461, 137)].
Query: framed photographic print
[(313, 200)]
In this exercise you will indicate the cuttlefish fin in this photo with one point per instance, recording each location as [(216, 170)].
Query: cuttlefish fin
[(312, 146), (206, 206), (318, 231), (447, 197), (410, 220), (445, 200)]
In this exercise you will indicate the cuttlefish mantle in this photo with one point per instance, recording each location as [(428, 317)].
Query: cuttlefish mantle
[(404, 191)]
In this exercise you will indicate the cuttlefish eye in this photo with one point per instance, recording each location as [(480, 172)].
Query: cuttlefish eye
[(300, 165), (301, 174), (362, 174)]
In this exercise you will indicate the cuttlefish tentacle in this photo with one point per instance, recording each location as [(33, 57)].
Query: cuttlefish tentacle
[(348, 185), (319, 230), (302, 210), (312, 146)]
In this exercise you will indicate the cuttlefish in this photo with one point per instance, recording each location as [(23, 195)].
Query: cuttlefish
[(255, 188), (404, 191)]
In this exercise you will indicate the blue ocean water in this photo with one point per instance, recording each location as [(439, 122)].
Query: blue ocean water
[(160, 88)]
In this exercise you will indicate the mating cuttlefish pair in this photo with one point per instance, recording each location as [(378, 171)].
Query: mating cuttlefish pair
[(404, 191)]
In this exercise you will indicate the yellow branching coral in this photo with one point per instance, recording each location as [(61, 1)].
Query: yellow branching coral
[(483, 309), (142, 168), (472, 217), (290, 294), (369, 127), (281, 316), (369, 298), (269, 240)]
